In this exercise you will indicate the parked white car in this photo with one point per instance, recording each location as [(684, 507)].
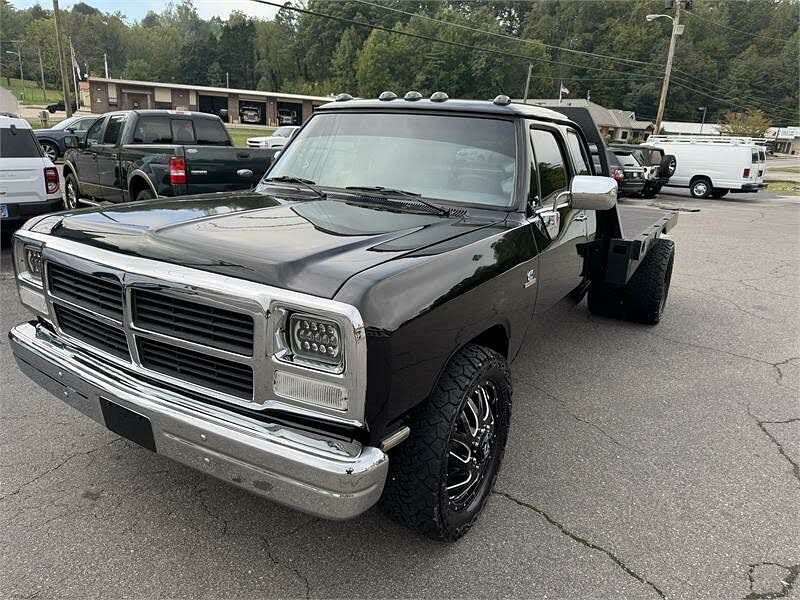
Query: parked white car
[(714, 165), (29, 182), (278, 139)]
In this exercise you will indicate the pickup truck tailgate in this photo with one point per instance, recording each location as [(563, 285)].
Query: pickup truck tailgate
[(224, 168)]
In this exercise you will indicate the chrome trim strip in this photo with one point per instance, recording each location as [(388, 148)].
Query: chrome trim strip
[(258, 300), (327, 476), (140, 173)]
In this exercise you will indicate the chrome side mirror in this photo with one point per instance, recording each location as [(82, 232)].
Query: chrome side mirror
[(593, 192)]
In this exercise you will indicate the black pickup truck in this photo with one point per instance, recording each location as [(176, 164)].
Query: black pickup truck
[(342, 333), (144, 154)]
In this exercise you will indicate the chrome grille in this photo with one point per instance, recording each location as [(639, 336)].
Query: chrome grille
[(99, 294), (93, 332), (202, 369), (200, 323)]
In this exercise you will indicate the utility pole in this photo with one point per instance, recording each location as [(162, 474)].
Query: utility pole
[(227, 80), (528, 83), (41, 71), (105, 63), (668, 71), (21, 76), (61, 64), (73, 65), (703, 122)]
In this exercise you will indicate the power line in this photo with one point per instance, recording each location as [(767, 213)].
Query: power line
[(429, 38), (513, 38), (716, 24)]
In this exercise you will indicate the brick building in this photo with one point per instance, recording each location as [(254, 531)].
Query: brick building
[(248, 107)]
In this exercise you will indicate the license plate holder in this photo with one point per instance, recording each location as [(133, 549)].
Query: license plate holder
[(130, 425)]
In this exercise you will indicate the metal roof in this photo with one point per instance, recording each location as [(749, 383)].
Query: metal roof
[(454, 105), (203, 88)]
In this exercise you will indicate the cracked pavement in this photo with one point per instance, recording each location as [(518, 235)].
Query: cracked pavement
[(643, 462)]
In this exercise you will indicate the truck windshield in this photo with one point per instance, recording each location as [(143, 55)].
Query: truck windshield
[(458, 159)]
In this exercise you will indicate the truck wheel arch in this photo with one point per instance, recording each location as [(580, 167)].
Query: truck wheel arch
[(495, 338), (137, 183)]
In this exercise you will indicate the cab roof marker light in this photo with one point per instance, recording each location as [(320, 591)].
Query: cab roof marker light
[(439, 97), (412, 96), (387, 96), (343, 97), (502, 100)]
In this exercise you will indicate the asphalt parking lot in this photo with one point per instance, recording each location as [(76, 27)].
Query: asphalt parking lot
[(643, 462)]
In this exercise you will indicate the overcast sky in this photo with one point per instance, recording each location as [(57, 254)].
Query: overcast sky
[(135, 10)]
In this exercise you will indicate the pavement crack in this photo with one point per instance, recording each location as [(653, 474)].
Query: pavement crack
[(200, 492), (787, 584), (278, 563), (56, 467), (583, 541), (762, 426)]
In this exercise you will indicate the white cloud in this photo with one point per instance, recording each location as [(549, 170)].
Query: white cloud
[(223, 8)]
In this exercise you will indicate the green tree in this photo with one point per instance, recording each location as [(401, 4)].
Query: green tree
[(345, 59), (752, 123)]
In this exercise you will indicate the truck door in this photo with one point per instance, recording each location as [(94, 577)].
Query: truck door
[(108, 173), (560, 265), (86, 159)]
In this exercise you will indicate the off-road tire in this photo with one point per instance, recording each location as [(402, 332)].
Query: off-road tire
[(719, 192), (415, 494), (605, 300), (144, 194), (651, 191), (700, 187), (645, 295), (667, 166), (72, 192)]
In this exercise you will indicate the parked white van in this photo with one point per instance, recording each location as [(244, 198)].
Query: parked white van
[(714, 165), (29, 181)]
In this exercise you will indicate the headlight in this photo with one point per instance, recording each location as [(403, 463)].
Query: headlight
[(316, 340), (28, 261)]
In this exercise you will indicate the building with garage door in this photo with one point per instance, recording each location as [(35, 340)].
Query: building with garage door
[(247, 107)]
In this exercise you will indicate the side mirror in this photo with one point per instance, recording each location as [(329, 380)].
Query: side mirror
[(71, 141), (593, 192)]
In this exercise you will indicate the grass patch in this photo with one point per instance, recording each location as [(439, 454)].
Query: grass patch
[(33, 91), (37, 124), (784, 169), (784, 187), (240, 135)]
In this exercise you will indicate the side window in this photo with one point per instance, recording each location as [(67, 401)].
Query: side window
[(114, 128), (83, 124), (550, 162), (182, 131), (211, 132), (580, 162), (93, 135), (152, 130)]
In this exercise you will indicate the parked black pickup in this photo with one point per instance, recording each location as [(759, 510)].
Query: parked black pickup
[(144, 154), (343, 332)]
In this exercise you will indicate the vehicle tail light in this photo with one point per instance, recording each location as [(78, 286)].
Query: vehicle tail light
[(618, 174), (51, 182), (177, 171), (746, 173)]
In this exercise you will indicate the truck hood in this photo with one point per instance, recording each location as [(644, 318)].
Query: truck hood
[(309, 246)]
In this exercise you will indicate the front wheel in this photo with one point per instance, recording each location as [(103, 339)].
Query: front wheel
[(50, 151), (440, 478), (71, 192)]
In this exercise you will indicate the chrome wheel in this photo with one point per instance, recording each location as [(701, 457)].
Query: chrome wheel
[(70, 194), (472, 446), (50, 151)]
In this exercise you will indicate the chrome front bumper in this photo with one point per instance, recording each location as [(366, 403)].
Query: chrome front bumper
[(320, 475)]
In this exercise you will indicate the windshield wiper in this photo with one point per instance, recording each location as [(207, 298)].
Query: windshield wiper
[(306, 183), (387, 191)]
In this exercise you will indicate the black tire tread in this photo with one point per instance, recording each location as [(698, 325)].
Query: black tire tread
[(643, 293), (411, 494)]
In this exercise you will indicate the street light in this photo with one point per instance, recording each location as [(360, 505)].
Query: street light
[(703, 122), (19, 56), (677, 29)]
